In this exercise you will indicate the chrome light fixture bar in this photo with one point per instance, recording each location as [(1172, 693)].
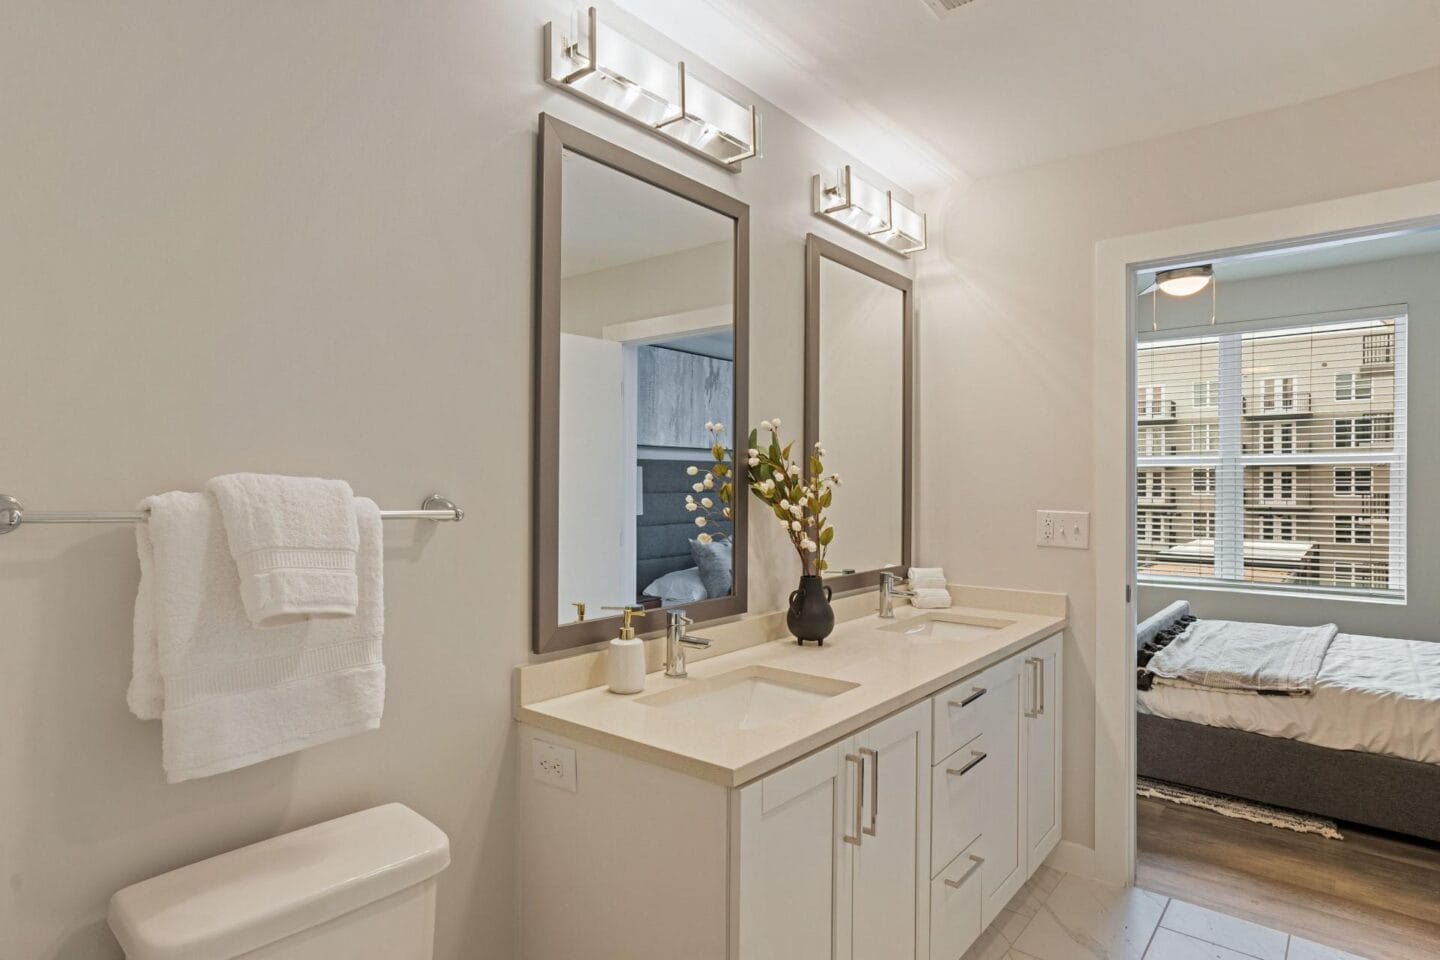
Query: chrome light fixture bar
[(865, 209), (604, 67)]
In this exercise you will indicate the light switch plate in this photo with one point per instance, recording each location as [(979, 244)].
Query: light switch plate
[(553, 765), (1062, 528)]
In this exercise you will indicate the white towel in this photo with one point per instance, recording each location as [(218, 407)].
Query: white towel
[(230, 695), (930, 598), (294, 541), (923, 578)]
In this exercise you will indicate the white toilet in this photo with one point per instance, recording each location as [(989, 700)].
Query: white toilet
[(361, 887)]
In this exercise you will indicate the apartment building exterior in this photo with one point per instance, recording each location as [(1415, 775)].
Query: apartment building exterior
[(1274, 457)]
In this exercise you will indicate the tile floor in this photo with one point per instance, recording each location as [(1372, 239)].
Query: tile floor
[(1057, 916)]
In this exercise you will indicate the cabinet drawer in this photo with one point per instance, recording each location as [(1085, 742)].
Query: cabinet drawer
[(960, 710), (957, 787), (955, 898)]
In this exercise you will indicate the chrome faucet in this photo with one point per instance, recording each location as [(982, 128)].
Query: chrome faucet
[(888, 592), (676, 640)]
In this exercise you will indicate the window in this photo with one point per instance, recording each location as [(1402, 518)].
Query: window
[(1353, 386), (1151, 401), (1352, 529), (1155, 528), (1287, 488), (1152, 442), (1354, 481)]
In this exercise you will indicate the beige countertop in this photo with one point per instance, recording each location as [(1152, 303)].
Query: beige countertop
[(890, 670)]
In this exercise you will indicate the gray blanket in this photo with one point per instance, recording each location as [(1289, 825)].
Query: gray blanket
[(1253, 657)]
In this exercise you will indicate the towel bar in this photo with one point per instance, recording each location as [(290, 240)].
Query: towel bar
[(13, 514)]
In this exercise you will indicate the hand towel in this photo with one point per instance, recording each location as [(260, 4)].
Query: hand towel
[(294, 541), (930, 598), (227, 694), (922, 578)]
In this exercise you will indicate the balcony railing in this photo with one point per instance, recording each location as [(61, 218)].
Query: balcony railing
[(1156, 411), (1277, 405), (1155, 498), (1378, 350)]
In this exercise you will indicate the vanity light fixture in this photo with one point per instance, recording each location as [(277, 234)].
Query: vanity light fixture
[(600, 65), (1185, 281), (865, 209)]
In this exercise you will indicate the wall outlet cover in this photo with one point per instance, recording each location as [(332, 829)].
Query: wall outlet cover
[(1062, 528), (553, 765)]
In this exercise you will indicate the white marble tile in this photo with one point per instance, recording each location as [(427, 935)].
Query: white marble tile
[(1010, 924), (1046, 878), (1085, 920), (1248, 938), (1309, 950), (1028, 900), (1169, 945), (990, 946)]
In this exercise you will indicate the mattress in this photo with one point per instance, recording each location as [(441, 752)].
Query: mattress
[(1375, 694)]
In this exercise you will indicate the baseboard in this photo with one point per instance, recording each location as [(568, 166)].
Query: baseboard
[(1071, 857)]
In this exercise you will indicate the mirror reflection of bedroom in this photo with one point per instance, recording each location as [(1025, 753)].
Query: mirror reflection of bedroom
[(1288, 644)]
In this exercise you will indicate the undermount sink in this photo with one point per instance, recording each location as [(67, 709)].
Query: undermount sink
[(748, 698), (948, 626)]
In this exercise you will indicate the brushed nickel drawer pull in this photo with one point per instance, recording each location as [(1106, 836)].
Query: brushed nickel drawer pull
[(975, 865), (960, 772), (979, 692), (874, 788), (859, 796)]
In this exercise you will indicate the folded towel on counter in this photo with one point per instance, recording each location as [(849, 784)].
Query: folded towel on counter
[(294, 541), (922, 578), (930, 598), (229, 695)]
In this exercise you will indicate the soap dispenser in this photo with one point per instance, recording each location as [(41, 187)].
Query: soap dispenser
[(627, 657)]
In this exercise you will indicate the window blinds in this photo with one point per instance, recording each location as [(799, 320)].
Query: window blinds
[(1274, 458)]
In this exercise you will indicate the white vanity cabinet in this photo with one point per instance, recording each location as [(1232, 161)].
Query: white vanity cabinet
[(834, 849), (1041, 684)]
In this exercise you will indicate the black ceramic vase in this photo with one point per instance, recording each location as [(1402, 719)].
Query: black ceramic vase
[(810, 618)]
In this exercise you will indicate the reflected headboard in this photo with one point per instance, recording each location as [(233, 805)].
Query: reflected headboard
[(664, 527)]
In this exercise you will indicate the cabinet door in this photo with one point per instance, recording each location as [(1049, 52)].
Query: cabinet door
[(1002, 839), (891, 862), (1041, 679), (795, 864)]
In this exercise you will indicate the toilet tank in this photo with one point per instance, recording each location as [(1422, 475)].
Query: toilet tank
[(361, 887)]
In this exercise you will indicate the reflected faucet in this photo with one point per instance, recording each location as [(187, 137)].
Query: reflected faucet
[(888, 592), (676, 640)]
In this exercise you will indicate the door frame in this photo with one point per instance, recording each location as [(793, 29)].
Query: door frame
[(1117, 261)]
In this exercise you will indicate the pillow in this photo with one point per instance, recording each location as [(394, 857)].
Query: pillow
[(682, 586), (716, 562)]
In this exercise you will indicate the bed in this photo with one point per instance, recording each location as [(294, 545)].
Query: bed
[(1364, 747)]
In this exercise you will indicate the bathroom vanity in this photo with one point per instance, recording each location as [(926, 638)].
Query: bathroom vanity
[(882, 796)]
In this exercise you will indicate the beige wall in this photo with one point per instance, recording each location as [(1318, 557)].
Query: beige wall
[(292, 237), (1006, 363)]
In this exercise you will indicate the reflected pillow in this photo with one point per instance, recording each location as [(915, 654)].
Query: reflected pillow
[(682, 586), (716, 562)]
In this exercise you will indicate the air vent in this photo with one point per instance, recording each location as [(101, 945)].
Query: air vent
[(945, 7)]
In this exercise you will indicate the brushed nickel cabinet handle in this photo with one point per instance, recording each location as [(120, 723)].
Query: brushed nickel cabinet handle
[(859, 796), (1040, 684), (976, 695), (975, 865), (874, 787), (1034, 709), (961, 771)]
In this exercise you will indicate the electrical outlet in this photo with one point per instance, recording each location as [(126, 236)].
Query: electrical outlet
[(553, 765), (1062, 528)]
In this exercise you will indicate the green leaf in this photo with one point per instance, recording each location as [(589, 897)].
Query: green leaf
[(720, 470), (786, 452), (725, 493), (825, 500), (750, 444), (815, 467), (826, 536), (823, 566)]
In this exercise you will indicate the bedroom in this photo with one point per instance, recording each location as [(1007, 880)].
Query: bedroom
[(1288, 669)]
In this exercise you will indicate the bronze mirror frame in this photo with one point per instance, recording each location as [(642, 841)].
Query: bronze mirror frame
[(556, 137)]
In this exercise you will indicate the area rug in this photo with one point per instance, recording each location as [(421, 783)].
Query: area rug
[(1238, 809)]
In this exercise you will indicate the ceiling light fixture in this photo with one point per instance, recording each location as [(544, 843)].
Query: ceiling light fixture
[(1184, 281), (865, 209), (606, 68)]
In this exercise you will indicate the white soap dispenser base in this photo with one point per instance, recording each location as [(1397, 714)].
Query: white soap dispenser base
[(626, 660)]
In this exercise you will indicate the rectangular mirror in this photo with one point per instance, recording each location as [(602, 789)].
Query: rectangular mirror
[(859, 388), (642, 343)]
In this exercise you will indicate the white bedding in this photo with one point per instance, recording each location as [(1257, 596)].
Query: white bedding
[(1376, 694)]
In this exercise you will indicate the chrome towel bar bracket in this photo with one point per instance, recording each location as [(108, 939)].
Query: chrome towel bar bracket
[(435, 508)]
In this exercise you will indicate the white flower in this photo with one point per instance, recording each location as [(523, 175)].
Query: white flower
[(794, 525), (706, 502), (709, 483), (691, 471), (811, 546), (689, 498), (766, 425), (709, 426), (697, 487), (691, 505), (701, 521), (794, 470), (717, 428), (797, 511), (753, 452), (768, 486), (775, 424), (784, 504), (754, 461), (703, 538), (835, 479), (726, 511)]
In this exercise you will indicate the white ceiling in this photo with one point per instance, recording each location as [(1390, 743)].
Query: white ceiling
[(1003, 84), (611, 218)]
